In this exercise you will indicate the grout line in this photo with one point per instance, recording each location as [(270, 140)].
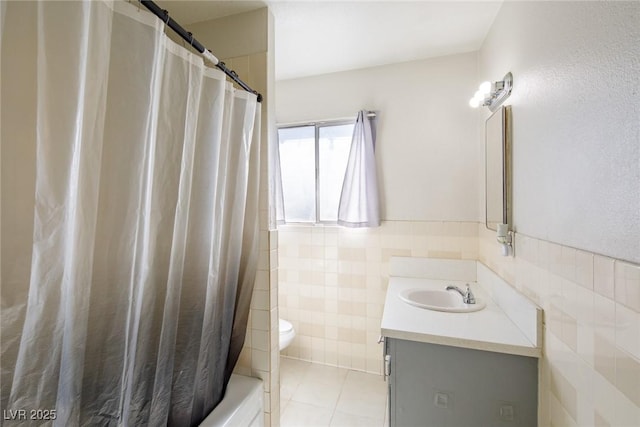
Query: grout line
[(341, 386)]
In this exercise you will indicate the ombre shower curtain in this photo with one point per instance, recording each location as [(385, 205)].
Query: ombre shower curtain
[(128, 219)]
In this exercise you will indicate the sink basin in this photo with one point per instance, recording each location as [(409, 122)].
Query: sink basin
[(437, 300)]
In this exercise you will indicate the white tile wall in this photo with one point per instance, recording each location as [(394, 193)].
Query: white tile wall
[(333, 282), (591, 365)]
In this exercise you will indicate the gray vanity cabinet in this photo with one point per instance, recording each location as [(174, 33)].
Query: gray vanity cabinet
[(441, 386)]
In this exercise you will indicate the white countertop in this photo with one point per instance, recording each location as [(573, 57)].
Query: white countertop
[(489, 329)]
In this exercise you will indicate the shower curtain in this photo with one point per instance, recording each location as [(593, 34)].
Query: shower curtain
[(130, 176)]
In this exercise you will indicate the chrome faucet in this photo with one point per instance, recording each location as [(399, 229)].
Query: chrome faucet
[(467, 296)]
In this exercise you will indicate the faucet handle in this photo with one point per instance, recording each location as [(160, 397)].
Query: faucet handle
[(469, 298)]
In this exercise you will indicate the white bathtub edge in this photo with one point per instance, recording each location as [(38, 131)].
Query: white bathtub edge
[(242, 405)]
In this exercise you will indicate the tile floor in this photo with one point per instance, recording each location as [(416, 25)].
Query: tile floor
[(313, 395)]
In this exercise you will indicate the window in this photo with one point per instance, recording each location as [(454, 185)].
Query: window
[(313, 161)]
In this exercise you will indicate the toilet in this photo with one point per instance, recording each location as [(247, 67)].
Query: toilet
[(287, 333)]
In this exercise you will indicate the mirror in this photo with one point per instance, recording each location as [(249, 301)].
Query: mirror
[(498, 168)]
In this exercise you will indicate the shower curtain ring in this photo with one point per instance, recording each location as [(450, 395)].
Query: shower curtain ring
[(166, 15), (190, 39)]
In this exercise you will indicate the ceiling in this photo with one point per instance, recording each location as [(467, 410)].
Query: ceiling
[(318, 37)]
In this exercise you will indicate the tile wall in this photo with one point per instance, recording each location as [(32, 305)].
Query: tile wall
[(260, 354), (333, 282), (590, 372)]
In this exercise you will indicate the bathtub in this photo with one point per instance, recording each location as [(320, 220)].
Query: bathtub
[(243, 405)]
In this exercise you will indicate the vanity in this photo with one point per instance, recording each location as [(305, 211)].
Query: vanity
[(448, 365)]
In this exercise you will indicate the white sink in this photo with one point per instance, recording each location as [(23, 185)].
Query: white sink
[(437, 300)]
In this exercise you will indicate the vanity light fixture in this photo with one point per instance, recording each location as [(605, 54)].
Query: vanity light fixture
[(492, 94)]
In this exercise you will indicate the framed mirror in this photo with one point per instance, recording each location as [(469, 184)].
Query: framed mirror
[(498, 168)]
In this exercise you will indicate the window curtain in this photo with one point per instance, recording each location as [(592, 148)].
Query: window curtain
[(129, 202), (359, 204), (276, 185)]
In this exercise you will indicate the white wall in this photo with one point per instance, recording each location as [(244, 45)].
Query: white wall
[(427, 148), (576, 120), (242, 34), (576, 139)]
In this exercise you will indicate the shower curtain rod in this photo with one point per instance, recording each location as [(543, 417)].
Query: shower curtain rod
[(188, 37)]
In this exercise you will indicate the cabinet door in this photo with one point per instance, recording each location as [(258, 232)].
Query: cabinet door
[(434, 385)]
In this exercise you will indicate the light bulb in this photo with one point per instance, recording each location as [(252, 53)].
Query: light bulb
[(479, 96), (485, 88), (474, 102)]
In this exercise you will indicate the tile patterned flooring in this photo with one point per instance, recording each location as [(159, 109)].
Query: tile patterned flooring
[(313, 395)]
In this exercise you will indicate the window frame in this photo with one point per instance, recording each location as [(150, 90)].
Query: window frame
[(317, 126)]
